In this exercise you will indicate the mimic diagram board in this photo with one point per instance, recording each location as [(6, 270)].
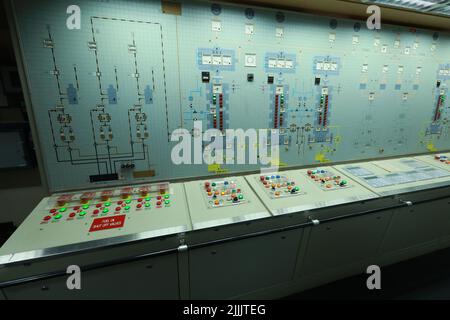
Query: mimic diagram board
[(387, 177), (142, 211), (308, 189), (108, 97), (218, 202)]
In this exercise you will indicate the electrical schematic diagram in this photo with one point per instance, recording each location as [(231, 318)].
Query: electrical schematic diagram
[(106, 126), (439, 118), (107, 98)]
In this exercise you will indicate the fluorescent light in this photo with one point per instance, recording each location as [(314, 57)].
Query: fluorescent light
[(445, 10), (418, 5)]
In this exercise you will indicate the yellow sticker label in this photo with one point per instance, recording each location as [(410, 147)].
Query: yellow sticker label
[(216, 168), (320, 157), (431, 147)]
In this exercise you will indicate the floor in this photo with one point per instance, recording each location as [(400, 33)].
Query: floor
[(425, 277)]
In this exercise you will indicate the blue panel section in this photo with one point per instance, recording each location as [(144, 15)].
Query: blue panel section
[(443, 72), (72, 94), (148, 93), (326, 65), (112, 94), (218, 59), (383, 86), (280, 62), (322, 137), (434, 129), (398, 87), (362, 86)]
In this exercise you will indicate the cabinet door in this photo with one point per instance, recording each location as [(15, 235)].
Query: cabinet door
[(229, 269), (416, 225), (154, 278), (336, 244)]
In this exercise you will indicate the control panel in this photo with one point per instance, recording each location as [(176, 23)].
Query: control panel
[(279, 186), (328, 179), (395, 176), (221, 193), (307, 189), (93, 204), (142, 211), (218, 202)]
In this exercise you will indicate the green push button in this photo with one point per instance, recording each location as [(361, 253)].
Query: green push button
[(128, 201), (147, 199), (167, 202), (86, 206), (213, 184), (58, 216), (241, 196), (147, 205), (107, 204), (127, 208), (166, 196), (82, 213), (62, 209), (297, 188), (106, 210)]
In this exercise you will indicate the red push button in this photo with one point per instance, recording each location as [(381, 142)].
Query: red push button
[(118, 208), (139, 206), (95, 212), (72, 215), (52, 210), (46, 218), (98, 205)]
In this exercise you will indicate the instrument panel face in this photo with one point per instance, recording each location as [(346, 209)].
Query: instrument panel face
[(328, 179), (222, 193), (311, 190), (109, 97), (142, 211), (393, 176), (278, 186), (218, 202)]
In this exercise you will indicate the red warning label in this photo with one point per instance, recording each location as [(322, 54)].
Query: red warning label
[(107, 223)]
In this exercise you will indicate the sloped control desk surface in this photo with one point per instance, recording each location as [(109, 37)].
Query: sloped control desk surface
[(440, 160), (74, 221), (299, 190), (395, 176), (224, 201)]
